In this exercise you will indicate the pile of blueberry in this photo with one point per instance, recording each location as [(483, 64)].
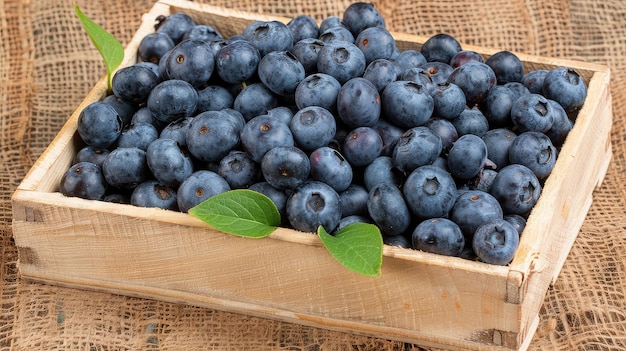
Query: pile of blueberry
[(444, 150)]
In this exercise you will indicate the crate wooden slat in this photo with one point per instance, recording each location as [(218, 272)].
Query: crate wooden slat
[(429, 299)]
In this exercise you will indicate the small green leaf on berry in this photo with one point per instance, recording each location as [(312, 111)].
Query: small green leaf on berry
[(239, 212), (358, 246)]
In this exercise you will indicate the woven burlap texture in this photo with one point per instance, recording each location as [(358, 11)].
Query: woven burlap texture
[(47, 65)]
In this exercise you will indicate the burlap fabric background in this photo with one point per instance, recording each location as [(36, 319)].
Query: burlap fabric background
[(47, 65)]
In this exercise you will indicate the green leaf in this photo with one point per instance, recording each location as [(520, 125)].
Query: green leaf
[(240, 212), (110, 48), (358, 246)]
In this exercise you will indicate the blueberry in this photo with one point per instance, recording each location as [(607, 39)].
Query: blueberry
[(313, 127), (397, 240), (498, 142), (381, 72), (382, 170), (125, 109), (118, 198), (285, 167), (387, 208), (376, 43), (84, 180), (440, 47), (438, 71), (214, 98), (336, 34), (407, 104), (354, 200), (153, 194), (464, 56), (268, 36), (216, 44), (237, 118), (417, 147), (202, 32), (126, 167), (172, 99), (256, 99), (134, 83), (161, 66), (396, 53), (495, 242), (138, 135), (533, 80), (497, 106), (467, 156), (448, 100), (445, 130), (154, 67), (92, 155), (318, 89), (507, 67), (410, 59), (565, 86), (144, 115), (342, 60), (303, 26), (313, 204), (442, 163), (191, 61), (471, 121), (361, 146), (518, 222), (154, 46), (475, 79), (440, 236), (199, 186), (281, 113), (516, 188), (237, 62), (263, 133), (358, 103), (429, 192), (330, 167), (472, 209), (361, 15), (175, 25), (168, 162), (281, 72), (177, 130), (330, 22), (421, 77), (239, 169), (561, 125), (517, 88), (535, 151), (532, 113), (211, 135), (483, 181), (307, 51), (390, 134), (99, 125)]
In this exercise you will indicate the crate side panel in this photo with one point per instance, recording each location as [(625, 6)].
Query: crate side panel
[(139, 254), (555, 221)]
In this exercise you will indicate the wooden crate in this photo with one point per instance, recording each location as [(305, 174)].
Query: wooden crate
[(423, 298)]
